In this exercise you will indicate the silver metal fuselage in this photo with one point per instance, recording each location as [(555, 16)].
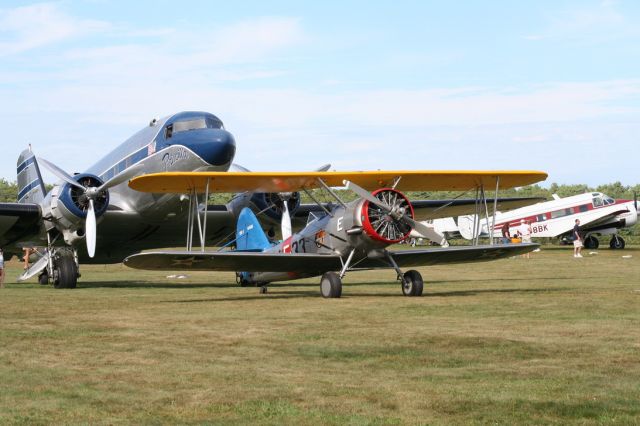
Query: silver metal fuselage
[(135, 220)]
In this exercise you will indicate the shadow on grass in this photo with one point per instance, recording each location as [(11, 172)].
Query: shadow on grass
[(271, 295), (147, 284)]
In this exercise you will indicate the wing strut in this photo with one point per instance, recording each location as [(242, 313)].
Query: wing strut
[(495, 207), (194, 216)]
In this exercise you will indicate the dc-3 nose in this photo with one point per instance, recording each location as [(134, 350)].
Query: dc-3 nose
[(215, 146)]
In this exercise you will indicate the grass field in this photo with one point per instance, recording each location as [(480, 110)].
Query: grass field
[(551, 339)]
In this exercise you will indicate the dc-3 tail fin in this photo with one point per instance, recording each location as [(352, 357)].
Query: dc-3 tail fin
[(30, 184), (249, 233)]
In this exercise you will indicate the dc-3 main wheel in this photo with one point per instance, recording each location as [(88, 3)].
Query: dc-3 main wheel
[(591, 242), (330, 285), (616, 243), (65, 273), (412, 284)]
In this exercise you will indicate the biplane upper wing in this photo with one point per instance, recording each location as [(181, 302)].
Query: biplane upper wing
[(315, 263), (411, 180)]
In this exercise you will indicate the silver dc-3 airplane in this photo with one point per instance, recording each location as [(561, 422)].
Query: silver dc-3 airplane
[(341, 238), (94, 217)]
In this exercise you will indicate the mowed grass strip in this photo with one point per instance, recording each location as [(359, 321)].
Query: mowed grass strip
[(551, 339)]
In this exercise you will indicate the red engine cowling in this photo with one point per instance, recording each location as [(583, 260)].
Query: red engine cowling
[(381, 226)]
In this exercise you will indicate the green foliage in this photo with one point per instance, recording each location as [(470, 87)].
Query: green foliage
[(8, 191)]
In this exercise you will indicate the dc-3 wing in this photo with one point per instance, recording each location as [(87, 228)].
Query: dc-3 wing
[(314, 263), (407, 180), (19, 222)]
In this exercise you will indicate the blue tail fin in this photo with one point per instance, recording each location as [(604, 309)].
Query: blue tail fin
[(30, 185), (249, 233)]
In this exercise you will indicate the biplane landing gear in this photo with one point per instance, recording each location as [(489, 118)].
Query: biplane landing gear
[(616, 243), (330, 285), (263, 289), (412, 284)]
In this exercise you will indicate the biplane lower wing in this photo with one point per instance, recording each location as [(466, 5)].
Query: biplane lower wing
[(234, 261), (448, 255), (315, 264)]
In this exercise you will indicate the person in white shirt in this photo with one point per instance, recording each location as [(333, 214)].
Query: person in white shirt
[(525, 232)]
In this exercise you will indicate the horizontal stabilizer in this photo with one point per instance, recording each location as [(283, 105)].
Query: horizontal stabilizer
[(403, 180)]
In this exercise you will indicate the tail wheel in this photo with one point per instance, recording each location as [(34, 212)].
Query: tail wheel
[(591, 242), (330, 285), (412, 284), (65, 272), (616, 243), (242, 281)]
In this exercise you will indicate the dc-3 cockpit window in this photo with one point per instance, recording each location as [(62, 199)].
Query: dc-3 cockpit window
[(196, 123), (597, 201), (600, 200)]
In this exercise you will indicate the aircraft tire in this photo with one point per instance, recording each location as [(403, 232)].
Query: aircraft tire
[(43, 278), (591, 243), (330, 285), (616, 243), (66, 273), (413, 284)]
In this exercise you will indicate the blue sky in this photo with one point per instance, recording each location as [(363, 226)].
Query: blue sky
[(551, 86)]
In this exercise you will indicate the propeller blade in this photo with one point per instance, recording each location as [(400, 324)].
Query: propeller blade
[(323, 168), (90, 230), (635, 200), (418, 226), (61, 174), (121, 177), (363, 193), (285, 223)]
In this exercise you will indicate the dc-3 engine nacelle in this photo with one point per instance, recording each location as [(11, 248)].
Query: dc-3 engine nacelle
[(68, 207), (267, 206)]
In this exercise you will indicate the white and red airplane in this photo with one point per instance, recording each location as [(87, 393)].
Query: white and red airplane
[(599, 214)]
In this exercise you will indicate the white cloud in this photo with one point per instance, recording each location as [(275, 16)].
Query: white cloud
[(587, 23), (37, 25)]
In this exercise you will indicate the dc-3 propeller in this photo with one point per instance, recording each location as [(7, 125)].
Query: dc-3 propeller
[(91, 193)]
